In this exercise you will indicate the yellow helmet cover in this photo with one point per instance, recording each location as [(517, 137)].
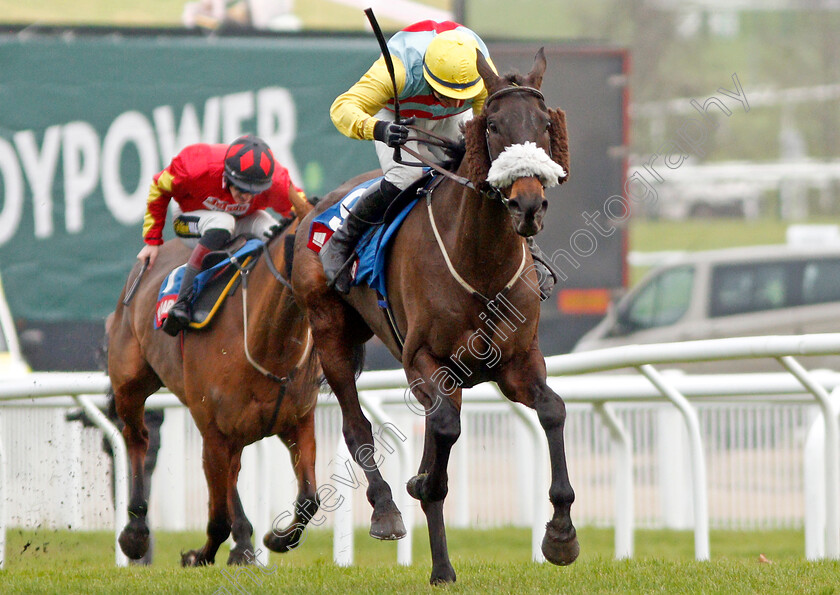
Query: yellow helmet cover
[(449, 65)]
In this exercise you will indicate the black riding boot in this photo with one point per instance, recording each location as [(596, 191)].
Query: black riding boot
[(368, 210), (546, 276), (178, 317)]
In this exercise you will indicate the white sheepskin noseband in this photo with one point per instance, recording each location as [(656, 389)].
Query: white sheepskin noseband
[(524, 161)]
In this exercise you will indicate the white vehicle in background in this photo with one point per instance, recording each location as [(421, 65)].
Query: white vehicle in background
[(738, 292)]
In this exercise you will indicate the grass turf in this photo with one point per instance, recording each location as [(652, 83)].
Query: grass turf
[(486, 561)]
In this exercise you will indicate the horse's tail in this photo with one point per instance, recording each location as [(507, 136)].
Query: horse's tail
[(102, 351), (358, 359), (102, 356)]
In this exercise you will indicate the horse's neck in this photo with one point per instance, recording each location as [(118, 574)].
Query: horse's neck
[(478, 231), (268, 300)]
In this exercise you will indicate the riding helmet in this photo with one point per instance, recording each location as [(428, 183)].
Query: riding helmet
[(449, 65), (249, 164)]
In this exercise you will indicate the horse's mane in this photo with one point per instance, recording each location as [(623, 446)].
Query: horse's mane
[(476, 160)]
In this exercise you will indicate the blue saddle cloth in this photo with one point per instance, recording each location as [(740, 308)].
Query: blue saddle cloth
[(171, 285), (372, 249)]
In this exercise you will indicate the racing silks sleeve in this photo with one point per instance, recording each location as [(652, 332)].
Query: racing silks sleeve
[(160, 193), (351, 111)]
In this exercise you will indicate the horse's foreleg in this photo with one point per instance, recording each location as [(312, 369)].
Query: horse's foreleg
[(560, 544), (300, 440), (335, 355), (217, 463), (430, 485), (134, 538), (241, 528), (527, 386)]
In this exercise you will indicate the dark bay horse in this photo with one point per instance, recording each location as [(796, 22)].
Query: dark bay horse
[(232, 402), (467, 243)]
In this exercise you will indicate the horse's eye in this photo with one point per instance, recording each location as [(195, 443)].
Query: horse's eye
[(491, 126)]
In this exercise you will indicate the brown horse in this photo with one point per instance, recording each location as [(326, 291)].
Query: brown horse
[(232, 402), (466, 243)]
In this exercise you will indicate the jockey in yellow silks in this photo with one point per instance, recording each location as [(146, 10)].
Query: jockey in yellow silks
[(438, 85)]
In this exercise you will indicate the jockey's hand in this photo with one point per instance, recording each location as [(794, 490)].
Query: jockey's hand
[(278, 228), (150, 253), (392, 133)]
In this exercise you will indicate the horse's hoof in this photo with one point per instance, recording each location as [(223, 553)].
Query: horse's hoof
[(241, 557), (193, 558), (286, 541), (442, 576), (134, 541), (387, 523), (558, 547), (415, 485)]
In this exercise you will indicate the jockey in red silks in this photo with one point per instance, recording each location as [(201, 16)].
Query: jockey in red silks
[(219, 191)]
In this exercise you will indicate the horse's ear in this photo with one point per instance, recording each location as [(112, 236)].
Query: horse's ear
[(476, 161), (491, 79), (535, 77), (559, 141)]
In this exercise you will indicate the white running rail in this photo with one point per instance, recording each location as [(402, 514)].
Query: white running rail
[(569, 376)]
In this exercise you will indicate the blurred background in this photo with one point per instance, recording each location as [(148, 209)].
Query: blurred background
[(98, 95)]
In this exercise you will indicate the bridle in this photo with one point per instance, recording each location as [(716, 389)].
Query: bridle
[(491, 193), (513, 88)]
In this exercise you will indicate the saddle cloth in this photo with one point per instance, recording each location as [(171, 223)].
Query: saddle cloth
[(371, 252), (211, 286)]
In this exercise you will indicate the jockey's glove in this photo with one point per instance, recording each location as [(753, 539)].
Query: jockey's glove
[(392, 134), (278, 228)]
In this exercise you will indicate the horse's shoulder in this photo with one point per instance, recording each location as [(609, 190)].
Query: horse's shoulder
[(172, 253)]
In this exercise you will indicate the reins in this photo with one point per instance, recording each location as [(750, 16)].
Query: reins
[(494, 193), (270, 264), (447, 143), (284, 380), (245, 272), (438, 141)]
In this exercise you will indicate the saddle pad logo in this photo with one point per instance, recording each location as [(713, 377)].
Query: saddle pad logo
[(318, 236), (368, 266), (328, 222), (164, 305)]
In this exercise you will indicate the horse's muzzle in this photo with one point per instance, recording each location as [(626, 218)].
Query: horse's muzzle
[(527, 205)]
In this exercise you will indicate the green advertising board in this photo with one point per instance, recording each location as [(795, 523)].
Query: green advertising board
[(86, 121)]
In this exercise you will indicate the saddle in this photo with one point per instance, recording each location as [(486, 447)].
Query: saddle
[(371, 252), (220, 276)]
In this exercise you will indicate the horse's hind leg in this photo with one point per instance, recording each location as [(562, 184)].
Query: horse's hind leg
[(217, 462), (525, 383), (430, 485), (333, 340), (300, 440)]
